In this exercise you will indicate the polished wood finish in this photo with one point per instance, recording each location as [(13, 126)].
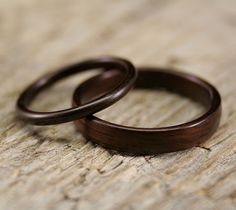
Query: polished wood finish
[(127, 77), (151, 140)]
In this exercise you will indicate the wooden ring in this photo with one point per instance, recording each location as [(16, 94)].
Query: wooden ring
[(151, 140), (127, 78)]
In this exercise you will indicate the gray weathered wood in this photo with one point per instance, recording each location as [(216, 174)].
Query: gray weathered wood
[(54, 167)]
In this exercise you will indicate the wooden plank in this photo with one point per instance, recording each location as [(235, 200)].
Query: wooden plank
[(55, 167)]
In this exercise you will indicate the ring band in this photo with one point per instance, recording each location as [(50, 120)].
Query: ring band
[(127, 77), (153, 140)]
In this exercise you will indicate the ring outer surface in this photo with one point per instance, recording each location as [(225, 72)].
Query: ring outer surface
[(71, 114), (147, 141)]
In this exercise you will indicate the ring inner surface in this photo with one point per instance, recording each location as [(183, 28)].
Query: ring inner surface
[(48, 81), (175, 82)]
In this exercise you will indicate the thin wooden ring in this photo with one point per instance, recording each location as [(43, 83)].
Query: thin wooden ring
[(127, 79), (153, 140)]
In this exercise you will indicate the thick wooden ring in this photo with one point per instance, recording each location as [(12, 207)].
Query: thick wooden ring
[(127, 79), (152, 140)]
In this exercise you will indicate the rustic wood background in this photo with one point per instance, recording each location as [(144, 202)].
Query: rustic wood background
[(55, 167)]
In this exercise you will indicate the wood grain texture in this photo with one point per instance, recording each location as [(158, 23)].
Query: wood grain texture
[(54, 167)]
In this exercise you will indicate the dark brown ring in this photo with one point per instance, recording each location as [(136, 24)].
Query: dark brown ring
[(127, 79), (153, 140)]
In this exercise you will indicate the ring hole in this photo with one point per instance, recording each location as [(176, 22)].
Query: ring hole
[(152, 108), (59, 96)]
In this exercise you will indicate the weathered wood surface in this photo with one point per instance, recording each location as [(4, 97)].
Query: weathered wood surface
[(54, 167)]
